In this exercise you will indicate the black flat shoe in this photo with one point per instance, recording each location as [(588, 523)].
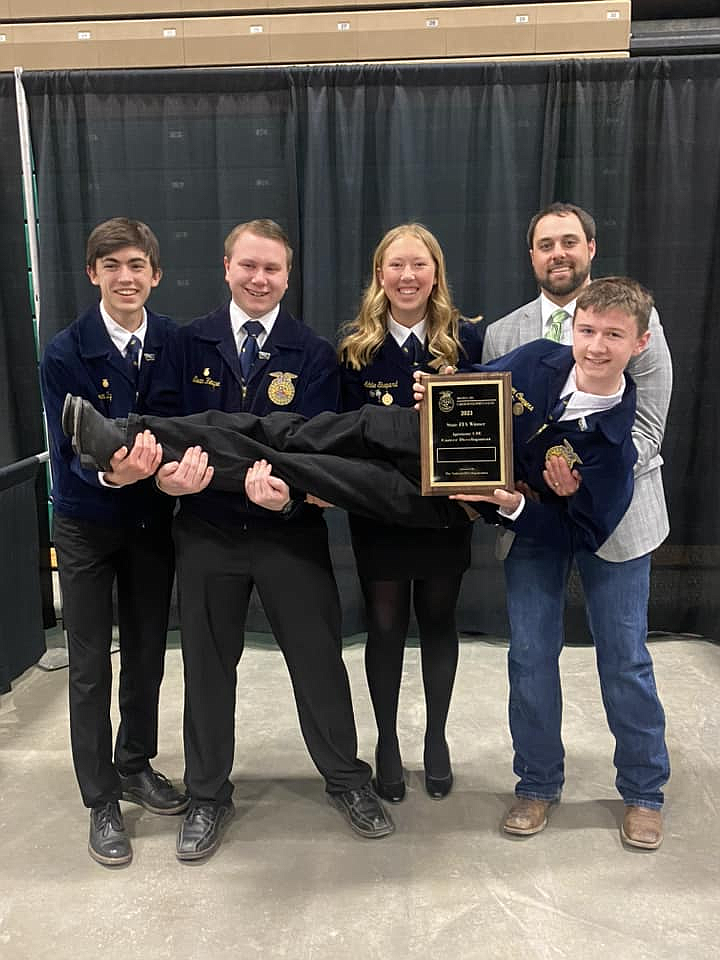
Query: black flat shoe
[(394, 792), (438, 787)]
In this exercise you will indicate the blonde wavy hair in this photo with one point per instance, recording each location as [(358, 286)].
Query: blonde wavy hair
[(363, 336)]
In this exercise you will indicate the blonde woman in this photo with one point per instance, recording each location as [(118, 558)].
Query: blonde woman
[(407, 322)]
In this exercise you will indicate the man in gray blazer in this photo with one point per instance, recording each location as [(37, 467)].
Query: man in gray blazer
[(562, 244)]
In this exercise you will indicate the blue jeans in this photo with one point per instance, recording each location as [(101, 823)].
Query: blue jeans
[(616, 599)]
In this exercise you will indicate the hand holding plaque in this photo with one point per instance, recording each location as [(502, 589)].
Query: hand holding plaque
[(466, 434)]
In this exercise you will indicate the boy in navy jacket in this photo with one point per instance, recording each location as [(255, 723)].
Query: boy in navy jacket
[(108, 529)]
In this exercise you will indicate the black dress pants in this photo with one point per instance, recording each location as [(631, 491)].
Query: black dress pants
[(366, 461), (91, 557), (289, 565)]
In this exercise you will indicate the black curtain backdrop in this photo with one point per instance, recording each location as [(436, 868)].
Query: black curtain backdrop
[(338, 154)]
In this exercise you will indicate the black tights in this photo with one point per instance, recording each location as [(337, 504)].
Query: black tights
[(387, 604)]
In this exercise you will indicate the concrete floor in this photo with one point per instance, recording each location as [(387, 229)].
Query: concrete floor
[(291, 881)]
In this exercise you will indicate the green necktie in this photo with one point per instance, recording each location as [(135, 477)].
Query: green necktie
[(557, 318)]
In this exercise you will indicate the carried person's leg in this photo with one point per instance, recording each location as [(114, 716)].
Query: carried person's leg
[(366, 461)]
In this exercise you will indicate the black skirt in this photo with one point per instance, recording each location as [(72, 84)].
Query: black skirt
[(388, 552)]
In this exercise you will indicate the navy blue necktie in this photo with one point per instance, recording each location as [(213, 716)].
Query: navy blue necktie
[(414, 350), (559, 409), (249, 350), (132, 357)]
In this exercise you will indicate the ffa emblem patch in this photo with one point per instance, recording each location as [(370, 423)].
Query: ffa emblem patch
[(105, 383), (206, 372), (565, 451), (517, 409), (282, 389), (386, 399)]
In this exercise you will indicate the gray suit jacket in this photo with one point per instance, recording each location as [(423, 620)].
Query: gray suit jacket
[(645, 524)]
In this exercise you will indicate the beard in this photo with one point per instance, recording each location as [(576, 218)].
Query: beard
[(562, 287)]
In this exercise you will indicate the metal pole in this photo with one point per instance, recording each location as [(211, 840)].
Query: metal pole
[(28, 192), (56, 657)]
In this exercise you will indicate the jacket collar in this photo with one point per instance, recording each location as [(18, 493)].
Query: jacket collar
[(216, 328), (613, 422)]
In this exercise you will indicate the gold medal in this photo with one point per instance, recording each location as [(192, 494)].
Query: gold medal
[(281, 389), (386, 399), (566, 452)]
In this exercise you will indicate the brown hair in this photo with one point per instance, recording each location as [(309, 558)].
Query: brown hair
[(112, 235), (617, 293), (562, 210), (267, 229)]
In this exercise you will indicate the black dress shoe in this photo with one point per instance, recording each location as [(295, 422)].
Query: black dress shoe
[(438, 787), (363, 811), (153, 791), (393, 791), (202, 829), (94, 438), (109, 843)]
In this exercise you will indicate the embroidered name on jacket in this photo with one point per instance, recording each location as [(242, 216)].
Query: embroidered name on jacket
[(206, 380)]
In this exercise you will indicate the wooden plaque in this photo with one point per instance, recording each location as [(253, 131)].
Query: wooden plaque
[(466, 434)]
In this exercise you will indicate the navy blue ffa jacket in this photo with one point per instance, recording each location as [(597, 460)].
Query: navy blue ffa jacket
[(296, 372), (83, 360), (388, 378), (600, 446)]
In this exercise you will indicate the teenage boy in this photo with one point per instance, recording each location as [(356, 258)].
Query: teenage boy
[(610, 328), (252, 355), (108, 529)]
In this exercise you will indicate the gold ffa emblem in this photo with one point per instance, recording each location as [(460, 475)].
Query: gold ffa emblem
[(105, 383), (446, 403), (565, 451), (282, 389), (386, 399), (206, 372), (517, 409)]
